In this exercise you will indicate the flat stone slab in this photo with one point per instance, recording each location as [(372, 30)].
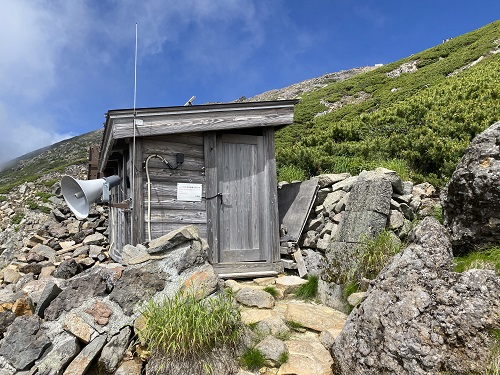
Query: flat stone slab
[(250, 316), (289, 284), (255, 297), (316, 317), (307, 358)]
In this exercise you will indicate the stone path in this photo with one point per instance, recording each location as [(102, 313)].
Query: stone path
[(304, 329)]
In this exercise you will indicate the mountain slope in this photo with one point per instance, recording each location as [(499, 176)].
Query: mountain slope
[(416, 115), (31, 166)]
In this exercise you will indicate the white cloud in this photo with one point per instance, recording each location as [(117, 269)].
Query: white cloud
[(52, 49)]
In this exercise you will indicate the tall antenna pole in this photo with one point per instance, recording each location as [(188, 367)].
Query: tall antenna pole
[(133, 146)]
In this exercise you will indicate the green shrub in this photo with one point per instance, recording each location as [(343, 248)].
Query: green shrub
[(308, 290), (484, 259), (32, 205), (50, 183), (185, 328), (291, 173), (17, 218), (252, 359), (44, 196), (3, 198)]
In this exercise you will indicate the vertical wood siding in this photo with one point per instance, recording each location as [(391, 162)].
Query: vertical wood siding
[(167, 213)]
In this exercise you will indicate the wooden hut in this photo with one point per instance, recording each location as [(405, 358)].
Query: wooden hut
[(208, 165)]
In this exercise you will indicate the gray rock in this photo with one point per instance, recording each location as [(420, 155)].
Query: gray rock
[(309, 239), (95, 250), (272, 348), (345, 184), (146, 280), (83, 360), (341, 204), (332, 199), (174, 238), (471, 199), (6, 319), (76, 291), (314, 261), (113, 351), (396, 220), (357, 226), (323, 243), (315, 223), (327, 180), (34, 268), (58, 358), (420, 317), (330, 294), (6, 368), (393, 178), (356, 298), (68, 269), (255, 297), (94, 239), (24, 342), (43, 251), (370, 193), (321, 196), (195, 255), (58, 215), (49, 293)]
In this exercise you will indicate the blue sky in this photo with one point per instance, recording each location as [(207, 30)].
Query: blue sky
[(65, 63)]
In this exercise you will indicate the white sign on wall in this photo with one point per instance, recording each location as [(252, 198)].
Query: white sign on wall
[(189, 192)]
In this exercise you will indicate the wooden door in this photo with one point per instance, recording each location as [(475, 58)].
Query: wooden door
[(240, 183)]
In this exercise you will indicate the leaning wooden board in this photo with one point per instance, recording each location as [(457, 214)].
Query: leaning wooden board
[(295, 202)]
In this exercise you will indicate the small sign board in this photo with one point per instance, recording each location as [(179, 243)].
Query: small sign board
[(189, 192)]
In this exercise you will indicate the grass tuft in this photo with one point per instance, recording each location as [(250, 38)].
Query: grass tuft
[(252, 359), (295, 325), (271, 290), (283, 358), (185, 328), (483, 259), (308, 290)]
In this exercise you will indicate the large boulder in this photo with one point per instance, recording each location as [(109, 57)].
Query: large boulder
[(471, 199), (420, 317)]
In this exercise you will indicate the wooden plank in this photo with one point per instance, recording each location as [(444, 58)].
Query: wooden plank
[(248, 275), (213, 199), (271, 194), (160, 229), (189, 164), (158, 177), (179, 216), (201, 122), (168, 148), (244, 268), (165, 189), (174, 204), (195, 139), (301, 265), (295, 202)]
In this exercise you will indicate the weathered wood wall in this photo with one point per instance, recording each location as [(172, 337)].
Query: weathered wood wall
[(167, 213)]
